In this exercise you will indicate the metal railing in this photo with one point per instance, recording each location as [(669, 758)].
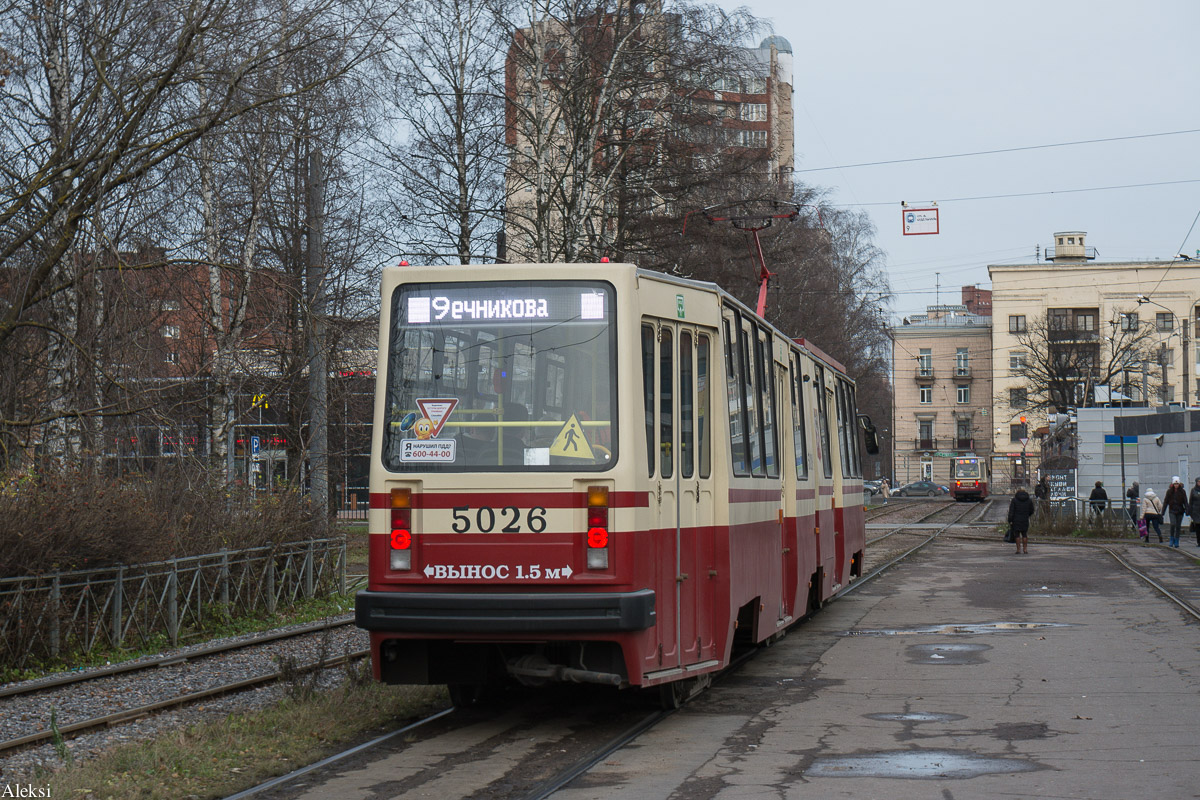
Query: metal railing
[(131, 606)]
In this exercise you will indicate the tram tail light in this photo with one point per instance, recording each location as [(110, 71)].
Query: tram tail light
[(597, 527), (400, 557)]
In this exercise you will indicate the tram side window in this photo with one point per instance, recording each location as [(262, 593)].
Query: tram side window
[(823, 421), (733, 393), (666, 401), (648, 393), (765, 364), (703, 406), (855, 437), (839, 397), (751, 388), (799, 422), (687, 409)]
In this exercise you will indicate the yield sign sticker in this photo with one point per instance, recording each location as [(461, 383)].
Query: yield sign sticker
[(437, 410), (570, 442)]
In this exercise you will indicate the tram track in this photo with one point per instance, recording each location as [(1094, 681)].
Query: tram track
[(598, 754), (1119, 552), (68, 688)]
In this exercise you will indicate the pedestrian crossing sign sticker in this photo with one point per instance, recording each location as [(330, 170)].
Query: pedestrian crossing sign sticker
[(570, 442)]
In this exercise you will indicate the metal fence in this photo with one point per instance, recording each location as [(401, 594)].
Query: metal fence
[(130, 606), (1079, 510)]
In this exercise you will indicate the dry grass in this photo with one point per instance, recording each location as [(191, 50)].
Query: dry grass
[(74, 519), (220, 758)]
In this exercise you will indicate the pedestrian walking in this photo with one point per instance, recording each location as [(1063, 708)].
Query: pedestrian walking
[(885, 489), (1098, 501), (1152, 513), (1176, 502), (1020, 509), (1135, 499), (1042, 493), (1194, 510)]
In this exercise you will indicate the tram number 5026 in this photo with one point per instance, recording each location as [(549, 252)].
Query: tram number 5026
[(485, 519)]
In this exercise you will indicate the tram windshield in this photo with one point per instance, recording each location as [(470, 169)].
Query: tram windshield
[(501, 377), (966, 469)]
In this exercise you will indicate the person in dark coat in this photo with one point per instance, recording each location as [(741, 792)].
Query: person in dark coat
[(1020, 509), (1099, 501), (1176, 503), (1194, 510), (1134, 496)]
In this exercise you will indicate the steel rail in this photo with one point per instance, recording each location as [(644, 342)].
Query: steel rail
[(171, 660), (336, 757), (126, 715)]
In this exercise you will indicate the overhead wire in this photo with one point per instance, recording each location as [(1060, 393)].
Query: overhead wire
[(998, 150)]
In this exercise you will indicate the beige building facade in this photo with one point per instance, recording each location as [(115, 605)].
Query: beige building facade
[(1073, 306), (942, 373)]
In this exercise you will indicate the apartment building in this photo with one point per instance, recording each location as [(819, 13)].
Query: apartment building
[(584, 166), (1098, 332), (942, 373)]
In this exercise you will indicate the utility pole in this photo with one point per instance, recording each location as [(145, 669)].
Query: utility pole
[(1186, 372), (318, 372)]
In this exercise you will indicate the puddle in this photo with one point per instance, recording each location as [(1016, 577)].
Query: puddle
[(982, 627), (916, 716), (947, 653), (916, 764)]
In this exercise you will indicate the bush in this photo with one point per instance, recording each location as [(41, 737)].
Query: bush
[(64, 519)]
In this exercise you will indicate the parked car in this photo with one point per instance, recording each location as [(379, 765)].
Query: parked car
[(920, 489), (872, 487)]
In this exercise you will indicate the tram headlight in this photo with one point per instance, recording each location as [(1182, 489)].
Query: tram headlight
[(400, 556), (597, 527)]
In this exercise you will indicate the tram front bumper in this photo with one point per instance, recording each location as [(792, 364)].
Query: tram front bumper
[(525, 612)]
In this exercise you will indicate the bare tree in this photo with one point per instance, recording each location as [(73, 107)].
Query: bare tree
[(1065, 357), (443, 96), (607, 105), (100, 102)]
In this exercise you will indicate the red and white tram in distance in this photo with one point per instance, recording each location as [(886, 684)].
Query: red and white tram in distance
[(597, 473), (969, 478)]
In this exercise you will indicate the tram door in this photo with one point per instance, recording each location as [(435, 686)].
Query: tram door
[(676, 362)]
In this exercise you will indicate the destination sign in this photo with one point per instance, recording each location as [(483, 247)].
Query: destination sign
[(425, 304)]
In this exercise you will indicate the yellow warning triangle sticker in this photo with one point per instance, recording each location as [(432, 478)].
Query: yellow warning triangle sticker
[(570, 442)]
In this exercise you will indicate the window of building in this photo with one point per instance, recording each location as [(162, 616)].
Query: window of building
[(1070, 240), (962, 428), (170, 331), (1166, 357), (1129, 322), (964, 394), (756, 139), (926, 395), (170, 305), (1167, 394), (1164, 321), (754, 112), (925, 433), (1060, 240), (1016, 360), (754, 85), (172, 358), (1059, 319), (962, 362), (1016, 432), (1085, 322), (1017, 398), (925, 361), (1016, 323)]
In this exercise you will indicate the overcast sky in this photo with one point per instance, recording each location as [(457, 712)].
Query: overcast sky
[(881, 81)]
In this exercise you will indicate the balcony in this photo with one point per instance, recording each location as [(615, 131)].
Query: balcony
[(962, 374), (924, 374), (964, 444), (925, 444)]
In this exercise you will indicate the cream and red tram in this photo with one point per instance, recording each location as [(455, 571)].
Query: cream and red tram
[(597, 473)]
